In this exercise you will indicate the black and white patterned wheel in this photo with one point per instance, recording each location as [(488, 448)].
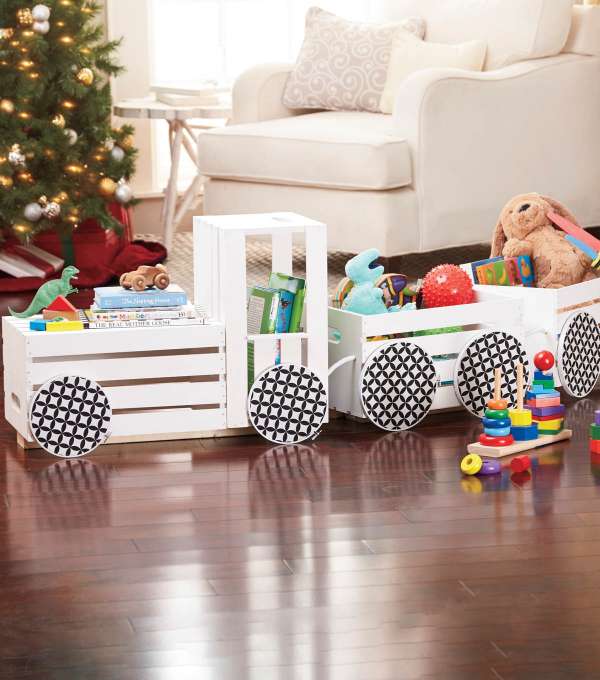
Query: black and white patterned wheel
[(70, 416), (287, 404), (578, 356), (397, 386), (474, 370)]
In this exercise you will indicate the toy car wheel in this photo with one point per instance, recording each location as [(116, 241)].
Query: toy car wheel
[(70, 416), (123, 281), (138, 283), (161, 280), (287, 404), (398, 385), (578, 356)]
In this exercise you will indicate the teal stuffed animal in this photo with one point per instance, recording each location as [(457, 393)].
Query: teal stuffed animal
[(365, 297)]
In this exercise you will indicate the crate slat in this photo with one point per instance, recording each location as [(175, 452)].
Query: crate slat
[(291, 350), (167, 421), (102, 341), (130, 368)]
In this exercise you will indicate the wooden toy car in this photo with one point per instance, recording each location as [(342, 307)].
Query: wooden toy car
[(146, 277)]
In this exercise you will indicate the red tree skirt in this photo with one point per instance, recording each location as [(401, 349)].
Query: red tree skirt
[(99, 255)]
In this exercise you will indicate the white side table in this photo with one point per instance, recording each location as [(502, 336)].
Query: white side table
[(182, 134)]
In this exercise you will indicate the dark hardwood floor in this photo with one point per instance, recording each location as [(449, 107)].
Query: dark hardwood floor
[(361, 556)]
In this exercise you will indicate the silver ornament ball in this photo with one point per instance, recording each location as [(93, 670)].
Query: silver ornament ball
[(41, 27), (117, 154), (109, 144), (51, 211), (71, 136), (15, 157), (123, 193), (33, 212), (40, 13)]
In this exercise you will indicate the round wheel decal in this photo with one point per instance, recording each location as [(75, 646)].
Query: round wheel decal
[(70, 416), (474, 370), (287, 404), (397, 386), (578, 359)]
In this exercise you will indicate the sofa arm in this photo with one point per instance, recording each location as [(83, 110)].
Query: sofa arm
[(257, 94), (476, 139)]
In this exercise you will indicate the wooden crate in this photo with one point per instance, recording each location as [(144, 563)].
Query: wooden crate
[(545, 310), (163, 383), (356, 335)]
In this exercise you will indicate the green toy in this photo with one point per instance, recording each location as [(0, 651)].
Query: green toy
[(48, 292)]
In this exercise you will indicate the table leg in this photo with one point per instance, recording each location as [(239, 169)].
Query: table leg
[(171, 193)]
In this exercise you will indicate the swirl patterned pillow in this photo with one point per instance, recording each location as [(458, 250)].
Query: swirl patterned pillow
[(343, 64)]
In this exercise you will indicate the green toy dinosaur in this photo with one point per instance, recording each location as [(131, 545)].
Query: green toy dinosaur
[(49, 292)]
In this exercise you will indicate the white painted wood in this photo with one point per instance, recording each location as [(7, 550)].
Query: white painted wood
[(149, 108), (124, 340), (445, 397), (281, 258), (585, 292), (344, 395), (518, 447), (316, 300), (15, 383), (262, 223), (291, 349), (434, 345), (168, 420), (130, 368)]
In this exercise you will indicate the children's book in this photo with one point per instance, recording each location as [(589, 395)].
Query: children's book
[(183, 312), (263, 304), (284, 311), (296, 286), (116, 297)]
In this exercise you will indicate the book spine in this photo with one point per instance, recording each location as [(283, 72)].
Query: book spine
[(132, 315), (124, 301), (297, 309), (148, 323)]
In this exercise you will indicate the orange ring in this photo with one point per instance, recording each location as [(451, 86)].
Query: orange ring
[(497, 404)]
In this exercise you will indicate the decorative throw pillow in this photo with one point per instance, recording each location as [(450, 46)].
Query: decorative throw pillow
[(342, 64), (410, 55)]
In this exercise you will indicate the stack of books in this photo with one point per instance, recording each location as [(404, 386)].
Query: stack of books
[(116, 307), (275, 308)]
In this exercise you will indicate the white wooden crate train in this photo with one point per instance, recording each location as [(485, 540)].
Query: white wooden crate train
[(70, 392)]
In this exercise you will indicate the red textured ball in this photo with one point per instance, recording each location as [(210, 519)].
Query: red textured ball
[(447, 285), (544, 360)]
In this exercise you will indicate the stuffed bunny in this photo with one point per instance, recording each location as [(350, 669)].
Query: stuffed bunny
[(525, 229)]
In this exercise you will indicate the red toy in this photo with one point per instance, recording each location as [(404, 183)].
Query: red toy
[(543, 360), (520, 464), (447, 285)]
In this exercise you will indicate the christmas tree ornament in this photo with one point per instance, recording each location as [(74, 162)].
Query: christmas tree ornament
[(109, 143), (33, 212), (69, 104), (61, 197), (71, 136), (59, 120), (25, 177), (41, 27), (25, 16), (117, 154), (7, 106), (21, 228), (6, 182), (85, 76), (126, 143), (107, 187), (51, 211), (15, 157), (40, 13), (6, 33), (123, 192)]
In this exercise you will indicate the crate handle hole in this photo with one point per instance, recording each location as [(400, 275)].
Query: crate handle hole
[(16, 401)]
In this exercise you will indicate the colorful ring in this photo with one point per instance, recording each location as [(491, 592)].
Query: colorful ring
[(490, 467), (497, 431), (496, 422), (497, 404), (501, 414), (471, 464), (486, 440)]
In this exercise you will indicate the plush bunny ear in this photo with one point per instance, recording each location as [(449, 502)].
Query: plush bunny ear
[(560, 209), (498, 239)]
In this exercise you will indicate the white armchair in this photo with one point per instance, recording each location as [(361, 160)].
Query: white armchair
[(437, 172)]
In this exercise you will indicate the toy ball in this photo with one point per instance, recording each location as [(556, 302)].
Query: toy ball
[(471, 464), (447, 285), (544, 360)]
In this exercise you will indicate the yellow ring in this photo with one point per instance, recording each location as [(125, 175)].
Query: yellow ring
[(471, 464)]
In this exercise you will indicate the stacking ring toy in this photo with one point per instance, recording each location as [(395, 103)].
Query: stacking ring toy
[(490, 467), (496, 422), (488, 440), (501, 414), (471, 464), (497, 404)]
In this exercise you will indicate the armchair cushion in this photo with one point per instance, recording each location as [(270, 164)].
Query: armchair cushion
[(343, 150)]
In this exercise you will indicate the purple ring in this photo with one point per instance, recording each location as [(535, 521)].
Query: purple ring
[(490, 467)]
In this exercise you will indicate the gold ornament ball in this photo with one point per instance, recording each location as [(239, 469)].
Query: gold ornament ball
[(126, 143), (72, 218), (59, 120), (86, 76), (25, 177), (21, 228), (25, 17), (61, 197), (107, 187), (7, 106), (6, 182), (74, 169)]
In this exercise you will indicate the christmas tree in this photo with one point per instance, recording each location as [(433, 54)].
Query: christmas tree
[(60, 160)]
